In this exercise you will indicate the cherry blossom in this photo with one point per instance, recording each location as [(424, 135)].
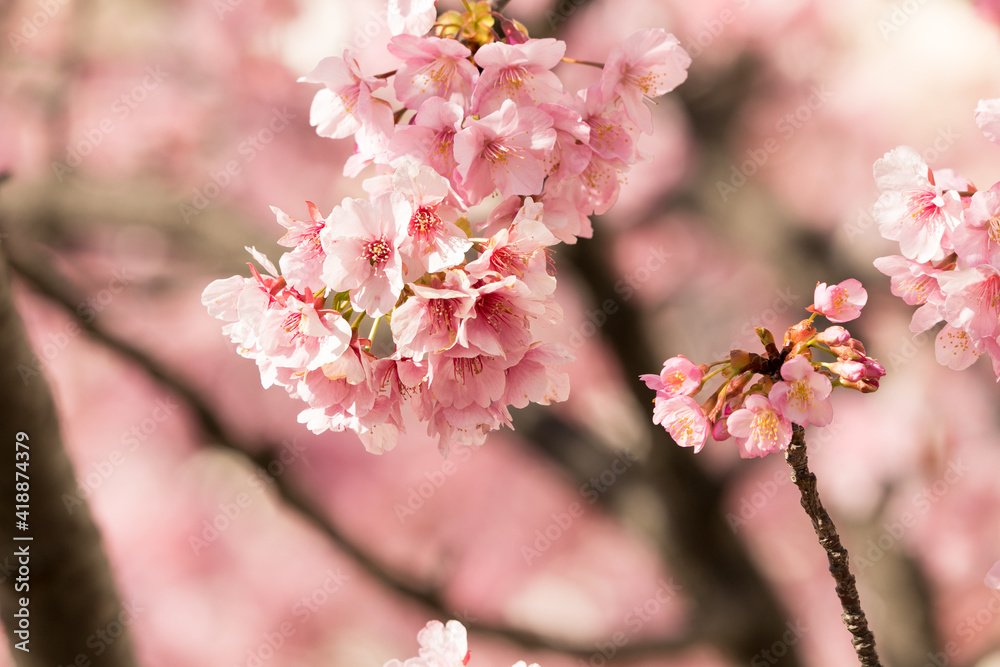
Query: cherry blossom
[(431, 137), (679, 377), (912, 208), (650, 63), (988, 119), (303, 266), (504, 151), (684, 419), (841, 302), (519, 73), (803, 396), (434, 319), (362, 250), (428, 296), (432, 68), (411, 17), (346, 106), (759, 396), (759, 428), (443, 645)]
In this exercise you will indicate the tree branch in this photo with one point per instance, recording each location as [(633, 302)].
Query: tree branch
[(53, 287), (734, 604), (60, 577), (847, 591)]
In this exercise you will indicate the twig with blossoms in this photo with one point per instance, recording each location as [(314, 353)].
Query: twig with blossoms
[(478, 117), (765, 401), (949, 239), (40, 275)]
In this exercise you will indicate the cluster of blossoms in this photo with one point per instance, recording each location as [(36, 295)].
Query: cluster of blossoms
[(470, 121), (762, 396), (442, 646), (949, 237)]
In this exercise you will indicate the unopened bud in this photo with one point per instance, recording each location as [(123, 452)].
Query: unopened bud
[(847, 353), (849, 371), (835, 335), (864, 386), (720, 429), (873, 369), (739, 360), (737, 386), (766, 337)]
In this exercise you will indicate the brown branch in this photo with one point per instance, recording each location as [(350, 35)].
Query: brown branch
[(732, 601), (43, 279), (57, 587), (847, 591)]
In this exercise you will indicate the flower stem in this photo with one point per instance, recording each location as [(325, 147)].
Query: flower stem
[(847, 591)]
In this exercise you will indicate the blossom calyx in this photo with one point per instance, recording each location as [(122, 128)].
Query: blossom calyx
[(800, 333)]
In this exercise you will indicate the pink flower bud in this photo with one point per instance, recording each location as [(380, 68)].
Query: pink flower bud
[(849, 371), (835, 335)]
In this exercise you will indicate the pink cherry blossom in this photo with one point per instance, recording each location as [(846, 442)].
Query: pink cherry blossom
[(684, 419), (519, 73), (346, 107), (445, 643), (458, 382), (841, 302), (341, 394), (434, 318), (299, 336), (221, 297), (720, 429), (972, 300), (432, 67), (848, 369), (977, 241), (993, 576), (433, 242), (650, 63), (679, 377), (955, 348), (431, 137), (520, 251), (565, 220), (803, 397), (504, 151), (302, 267), (613, 133), (503, 314), (912, 209), (411, 17), (361, 241), (467, 426), (536, 378), (242, 303), (570, 153), (988, 119), (759, 428), (595, 189), (917, 285)]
